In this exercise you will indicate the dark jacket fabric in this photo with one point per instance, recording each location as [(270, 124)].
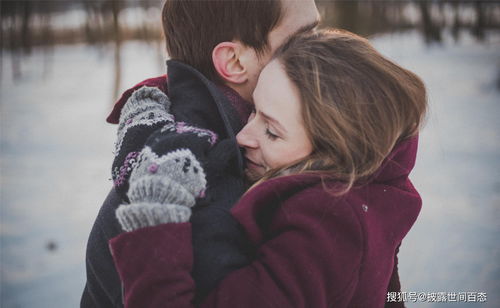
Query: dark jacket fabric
[(310, 248), (219, 244)]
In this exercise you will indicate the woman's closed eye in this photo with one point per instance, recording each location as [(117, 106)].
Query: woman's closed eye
[(270, 134)]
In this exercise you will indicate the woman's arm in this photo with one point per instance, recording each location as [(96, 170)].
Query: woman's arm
[(304, 264), (145, 122)]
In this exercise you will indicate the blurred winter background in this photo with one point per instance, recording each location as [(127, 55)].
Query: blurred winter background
[(63, 63)]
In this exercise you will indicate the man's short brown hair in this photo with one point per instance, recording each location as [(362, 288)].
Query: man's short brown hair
[(193, 28)]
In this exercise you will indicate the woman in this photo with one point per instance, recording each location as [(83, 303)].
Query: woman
[(333, 139)]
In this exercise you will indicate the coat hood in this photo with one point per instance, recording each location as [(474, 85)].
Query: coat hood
[(389, 192), (399, 162)]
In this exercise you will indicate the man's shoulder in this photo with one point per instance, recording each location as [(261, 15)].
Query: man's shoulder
[(106, 220), (159, 82)]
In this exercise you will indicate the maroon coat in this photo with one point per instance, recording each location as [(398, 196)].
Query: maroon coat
[(311, 249)]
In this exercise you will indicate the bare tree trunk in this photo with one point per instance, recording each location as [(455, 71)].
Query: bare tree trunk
[(478, 28), (431, 31)]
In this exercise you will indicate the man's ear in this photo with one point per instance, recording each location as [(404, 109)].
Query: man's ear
[(227, 62)]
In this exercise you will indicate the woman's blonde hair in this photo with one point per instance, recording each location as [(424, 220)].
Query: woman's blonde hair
[(356, 104)]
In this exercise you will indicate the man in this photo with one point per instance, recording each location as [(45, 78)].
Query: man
[(227, 43)]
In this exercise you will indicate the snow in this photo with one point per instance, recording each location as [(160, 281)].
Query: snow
[(453, 246)]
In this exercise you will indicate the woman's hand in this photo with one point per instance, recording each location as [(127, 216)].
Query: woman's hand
[(162, 189), (167, 176)]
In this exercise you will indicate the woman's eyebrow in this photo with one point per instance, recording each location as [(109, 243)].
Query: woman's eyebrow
[(306, 28), (276, 123)]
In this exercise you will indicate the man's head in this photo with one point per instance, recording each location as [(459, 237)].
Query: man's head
[(230, 41)]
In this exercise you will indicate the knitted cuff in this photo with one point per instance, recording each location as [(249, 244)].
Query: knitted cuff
[(140, 215), (159, 189)]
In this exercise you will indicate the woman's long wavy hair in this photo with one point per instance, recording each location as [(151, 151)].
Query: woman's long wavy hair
[(356, 104)]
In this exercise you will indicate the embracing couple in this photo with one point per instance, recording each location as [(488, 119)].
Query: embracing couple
[(268, 168)]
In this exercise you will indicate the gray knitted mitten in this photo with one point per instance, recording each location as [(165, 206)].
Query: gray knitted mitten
[(145, 111), (162, 189)]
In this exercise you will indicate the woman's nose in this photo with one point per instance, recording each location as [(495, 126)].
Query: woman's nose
[(246, 139)]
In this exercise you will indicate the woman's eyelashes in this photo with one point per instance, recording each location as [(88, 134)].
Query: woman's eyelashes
[(270, 134)]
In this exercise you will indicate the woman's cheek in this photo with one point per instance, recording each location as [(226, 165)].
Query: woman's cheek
[(271, 155)]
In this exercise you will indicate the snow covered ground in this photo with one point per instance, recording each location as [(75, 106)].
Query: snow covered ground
[(56, 152)]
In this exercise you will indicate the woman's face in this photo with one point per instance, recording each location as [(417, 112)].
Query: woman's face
[(275, 134)]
